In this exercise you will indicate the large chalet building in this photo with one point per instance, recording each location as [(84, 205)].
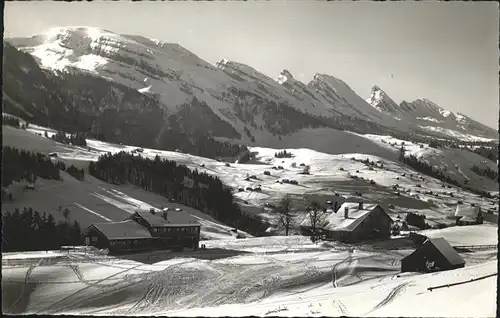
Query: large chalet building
[(145, 230)]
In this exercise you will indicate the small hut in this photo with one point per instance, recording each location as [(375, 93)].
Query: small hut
[(433, 255)]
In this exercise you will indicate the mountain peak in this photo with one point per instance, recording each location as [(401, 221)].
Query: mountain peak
[(381, 101), (284, 77), (222, 63)]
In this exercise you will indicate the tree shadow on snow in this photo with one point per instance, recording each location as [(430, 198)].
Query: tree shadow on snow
[(159, 256)]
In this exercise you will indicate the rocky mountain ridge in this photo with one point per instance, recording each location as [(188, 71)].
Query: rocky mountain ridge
[(256, 106)]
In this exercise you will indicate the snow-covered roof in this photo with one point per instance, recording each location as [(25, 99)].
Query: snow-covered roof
[(337, 221), (174, 218), (128, 229), (467, 212), (446, 250)]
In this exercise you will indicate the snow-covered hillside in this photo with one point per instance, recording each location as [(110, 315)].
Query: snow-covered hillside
[(457, 163), (343, 173), (278, 276)]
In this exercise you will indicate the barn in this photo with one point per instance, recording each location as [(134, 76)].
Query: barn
[(468, 215), (354, 222), (433, 255), (145, 231)]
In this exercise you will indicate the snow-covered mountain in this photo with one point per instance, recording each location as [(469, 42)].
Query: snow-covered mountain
[(258, 107), (176, 75), (381, 101), (429, 116)]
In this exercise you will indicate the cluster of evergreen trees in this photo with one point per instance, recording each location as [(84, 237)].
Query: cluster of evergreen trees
[(21, 164), (77, 139), (32, 231), (490, 153), (486, 172), (76, 173), (10, 121), (429, 170), (166, 178), (246, 156), (283, 154)]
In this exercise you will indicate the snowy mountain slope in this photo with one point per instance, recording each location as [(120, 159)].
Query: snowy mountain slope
[(88, 103), (431, 117), (177, 72), (456, 163), (426, 113), (328, 174), (236, 93)]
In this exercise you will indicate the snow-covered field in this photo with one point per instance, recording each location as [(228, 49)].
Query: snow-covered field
[(284, 276)]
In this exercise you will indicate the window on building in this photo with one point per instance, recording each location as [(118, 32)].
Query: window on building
[(94, 239)]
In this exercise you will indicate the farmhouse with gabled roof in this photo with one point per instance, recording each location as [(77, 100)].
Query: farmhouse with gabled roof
[(354, 222)]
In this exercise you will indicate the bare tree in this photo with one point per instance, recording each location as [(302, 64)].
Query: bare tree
[(315, 220), (283, 210), (66, 213)]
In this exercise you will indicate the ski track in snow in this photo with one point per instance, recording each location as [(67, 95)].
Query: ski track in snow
[(395, 292)]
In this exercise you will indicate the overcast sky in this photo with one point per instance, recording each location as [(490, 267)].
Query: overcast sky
[(446, 52)]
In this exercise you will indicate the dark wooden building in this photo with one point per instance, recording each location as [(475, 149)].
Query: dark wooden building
[(433, 255), (170, 228), (145, 230), (417, 220)]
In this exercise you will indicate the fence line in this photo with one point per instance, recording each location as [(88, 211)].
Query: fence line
[(464, 282)]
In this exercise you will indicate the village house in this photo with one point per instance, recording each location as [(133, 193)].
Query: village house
[(353, 222), (466, 215), (433, 255), (356, 221), (146, 230)]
